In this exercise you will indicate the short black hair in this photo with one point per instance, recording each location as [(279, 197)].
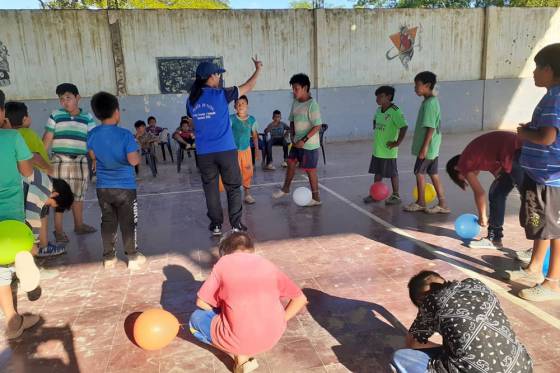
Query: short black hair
[(417, 283), (150, 118), (426, 77), (139, 123), (15, 112), (2, 99), (549, 56), (454, 173), (104, 105), (242, 98), (302, 80), (233, 241), (67, 88), (65, 197), (276, 112), (387, 90)]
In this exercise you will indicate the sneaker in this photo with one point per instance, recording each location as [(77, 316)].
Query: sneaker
[(110, 263), (368, 199), (279, 194), (61, 237), (24, 322), (249, 199), (51, 250), (414, 207), (524, 256), (485, 243), (284, 164), (313, 203), (216, 229), (269, 167), (395, 199), (539, 294), (136, 261), (85, 229), (521, 274), (27, 271), (437, 209), (239, 227)]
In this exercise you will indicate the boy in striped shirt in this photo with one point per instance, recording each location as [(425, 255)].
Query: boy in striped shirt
[(66, 135)]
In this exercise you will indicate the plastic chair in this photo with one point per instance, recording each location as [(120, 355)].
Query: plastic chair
[(181, 154), (165, 141)]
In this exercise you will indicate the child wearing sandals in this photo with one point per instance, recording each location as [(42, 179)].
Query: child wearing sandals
[(241, 313)]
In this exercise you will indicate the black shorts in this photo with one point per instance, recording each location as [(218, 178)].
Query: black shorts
[(384, 167), (307, 158), (426, 166), (540, 210)]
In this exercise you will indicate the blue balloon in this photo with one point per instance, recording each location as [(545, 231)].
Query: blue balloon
[(467, 226), (546, 262)]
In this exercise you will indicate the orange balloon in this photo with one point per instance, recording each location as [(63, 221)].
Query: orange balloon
[(155, 329)]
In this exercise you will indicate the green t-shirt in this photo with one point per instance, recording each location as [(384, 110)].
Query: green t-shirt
[(243, 130), (13, 150), (429, 116), (305, 116), (34, 143), (387, 127)]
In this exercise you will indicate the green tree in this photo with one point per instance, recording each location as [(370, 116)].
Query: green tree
[(301, 4), (134, 4)]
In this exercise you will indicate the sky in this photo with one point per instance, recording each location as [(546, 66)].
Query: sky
[(235, 4)]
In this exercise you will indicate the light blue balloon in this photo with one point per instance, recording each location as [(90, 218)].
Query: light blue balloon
[(467, 226)]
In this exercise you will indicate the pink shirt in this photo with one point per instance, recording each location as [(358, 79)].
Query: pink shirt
[(247, 289)]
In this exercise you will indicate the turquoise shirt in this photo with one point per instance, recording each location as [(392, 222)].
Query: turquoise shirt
[(243, 130)]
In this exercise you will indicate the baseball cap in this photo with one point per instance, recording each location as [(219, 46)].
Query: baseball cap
[(205, 69)]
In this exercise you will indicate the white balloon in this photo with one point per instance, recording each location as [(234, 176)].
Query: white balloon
[(302, 196)]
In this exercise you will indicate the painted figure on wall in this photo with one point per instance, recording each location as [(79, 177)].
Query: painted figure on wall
[(404, 42), (4, 66)]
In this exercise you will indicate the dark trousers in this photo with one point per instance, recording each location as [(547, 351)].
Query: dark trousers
[(276, 141), (499, 190), (118, 208), (222, 164)]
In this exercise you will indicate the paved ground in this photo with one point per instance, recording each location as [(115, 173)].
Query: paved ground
[(352, 260)]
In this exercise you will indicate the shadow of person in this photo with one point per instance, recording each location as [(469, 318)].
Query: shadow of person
[(367, 333)]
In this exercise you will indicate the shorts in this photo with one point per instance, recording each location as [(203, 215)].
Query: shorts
[(6, 275), (540, 210), (74, 171), (307, 158), (245, 160), (382, 166), (426, 166), (200, 325)]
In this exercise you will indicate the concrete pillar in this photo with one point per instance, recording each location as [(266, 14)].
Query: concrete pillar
[(117, 49)]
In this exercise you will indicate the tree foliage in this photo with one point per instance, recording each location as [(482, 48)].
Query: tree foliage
[(134, 4), (301, 4), (453, 3)]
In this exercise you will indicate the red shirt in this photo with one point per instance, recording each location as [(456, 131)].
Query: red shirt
[(247, 289), (490, 152)]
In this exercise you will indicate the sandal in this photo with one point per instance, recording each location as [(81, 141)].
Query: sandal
[(85, 229), (247, 367), (437, 209), (27, 321), (61, 237), (414, 207)]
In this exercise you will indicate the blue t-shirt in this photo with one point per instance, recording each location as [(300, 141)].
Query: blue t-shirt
[(111, 145), (212, 126), (542, 162)]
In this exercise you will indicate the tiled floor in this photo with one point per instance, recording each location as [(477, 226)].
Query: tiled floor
[(351, 263)]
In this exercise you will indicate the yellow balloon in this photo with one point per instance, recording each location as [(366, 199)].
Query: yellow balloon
[(429, 193)]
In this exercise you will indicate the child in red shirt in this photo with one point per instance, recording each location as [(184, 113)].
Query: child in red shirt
[(241, 313)]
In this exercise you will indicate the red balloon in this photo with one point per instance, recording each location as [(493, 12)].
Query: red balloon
[(379, 191)]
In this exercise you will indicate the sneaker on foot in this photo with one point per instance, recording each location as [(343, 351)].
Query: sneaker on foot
[(485, 243), (414, 207), (239, 227), (521, 274), (313, 202), (216, 229), (284, 164), (23, 322), (85, 229), (524, 256), (61, 237), (136, 261), (279, 194), (27, 271), (110, 263), (368, 199), (269, 167), (249, 199), (395, 199), (51, 250), (539, 293)]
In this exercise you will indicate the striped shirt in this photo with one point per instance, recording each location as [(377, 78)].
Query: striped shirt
[(70, 132), (542, 162), (305, 116), (40, 188)]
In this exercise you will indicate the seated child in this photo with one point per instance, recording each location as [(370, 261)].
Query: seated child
[(241, 313), (476, 333), (145, 139), (184, 135)]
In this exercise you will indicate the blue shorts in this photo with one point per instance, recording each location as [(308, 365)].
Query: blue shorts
[(307, 158), (200, 325)]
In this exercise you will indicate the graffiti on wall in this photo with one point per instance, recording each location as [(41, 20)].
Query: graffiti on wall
[(4, 66), (404, 43)]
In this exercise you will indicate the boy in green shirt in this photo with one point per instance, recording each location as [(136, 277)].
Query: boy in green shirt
[(425, 145), (390, 128)]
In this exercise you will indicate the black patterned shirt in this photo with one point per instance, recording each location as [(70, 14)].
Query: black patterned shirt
[(477, 336)]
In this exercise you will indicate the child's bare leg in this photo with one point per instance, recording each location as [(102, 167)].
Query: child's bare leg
[(58, 219), (44, 232), (290, 172), (552, 280), (314, 183), (78, 212), (439, 190), (420, 184), (7, 304), (538, 255), (395, 184), (377, 178)]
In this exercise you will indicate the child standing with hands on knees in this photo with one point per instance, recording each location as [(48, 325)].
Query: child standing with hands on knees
[(241, 313)]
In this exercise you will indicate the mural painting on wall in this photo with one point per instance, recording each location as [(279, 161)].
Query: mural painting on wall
[(404, 43), (4, 66), (177, 74)]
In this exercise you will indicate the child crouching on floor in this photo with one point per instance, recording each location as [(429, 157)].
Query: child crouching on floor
[(241, 313)]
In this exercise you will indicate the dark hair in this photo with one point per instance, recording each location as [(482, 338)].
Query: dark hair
[(426, 77), (275, 112), (196, 90), (454, 173), (387, 90), (104, 105), (15, 112), (233, 241), (2, 99), (302, 80), (150, 118), (242, 98), (139, 123), (417, 283), (66, 88), (549, 56), (65, 197)]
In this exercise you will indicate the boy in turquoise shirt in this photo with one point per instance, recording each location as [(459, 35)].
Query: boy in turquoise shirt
[(390, 128), (426, 143)]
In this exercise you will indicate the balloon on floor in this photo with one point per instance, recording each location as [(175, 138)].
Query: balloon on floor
[(379, 191), (429, 193), (467, 226), (155, 329), (302, 196)]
